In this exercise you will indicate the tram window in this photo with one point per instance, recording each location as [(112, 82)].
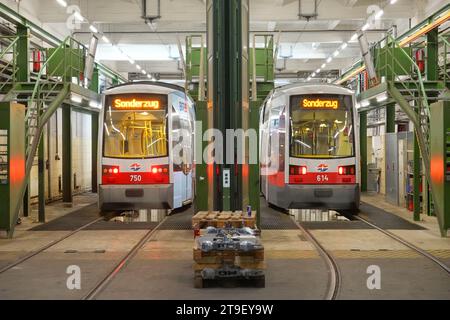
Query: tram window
[(326, 132), (135, 134)]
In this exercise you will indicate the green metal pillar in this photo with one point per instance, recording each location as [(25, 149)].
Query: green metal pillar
[(23, 75), (94, 157), (254, 169), (416, 180), (228, 29), (41, 181), (432, 55), (95, 84), (432, 74), (23, 53), (67, 154), (115, 81), (201, 169), (390, 118), (363, 149)]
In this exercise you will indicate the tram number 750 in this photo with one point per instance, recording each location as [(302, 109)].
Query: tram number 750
[(135, 178), (322, 178)]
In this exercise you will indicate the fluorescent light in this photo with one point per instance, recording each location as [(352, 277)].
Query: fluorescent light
[(323, 66), (309, 79), (93, 29), (329, 59), (354, 37), (344, 45), (78, 16), (336, 53), (379, 14), (138, 67), (76, 99), (149, 76), (318, 71), (365, 27), (105, 39), (144, 72), (393, 1), (154, 79), (313, 74), (382, 98), (131, 61), (94, 104), (365, 103), (62, 3)]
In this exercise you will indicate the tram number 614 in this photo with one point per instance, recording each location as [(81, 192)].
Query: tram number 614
[(135, 178), (322, 178)]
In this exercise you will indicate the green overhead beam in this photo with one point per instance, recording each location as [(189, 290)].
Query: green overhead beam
[(23, 23), (17, 19), (435, 16)]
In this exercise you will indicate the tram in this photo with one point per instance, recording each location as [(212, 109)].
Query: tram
[(309, 146), (146, 144)]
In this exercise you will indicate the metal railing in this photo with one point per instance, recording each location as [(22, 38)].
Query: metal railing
[(8, 59), (444, 58)]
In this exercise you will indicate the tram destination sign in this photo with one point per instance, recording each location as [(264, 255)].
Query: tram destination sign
[(319, 103), (137, 102)]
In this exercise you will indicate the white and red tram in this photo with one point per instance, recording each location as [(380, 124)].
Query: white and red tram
[(309, 146), (142, 123)]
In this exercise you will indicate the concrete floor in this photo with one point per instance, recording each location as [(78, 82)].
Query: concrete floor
[(163, 268)]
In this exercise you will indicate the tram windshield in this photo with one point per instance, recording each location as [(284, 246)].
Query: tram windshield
[(135, 126), (322, 127)]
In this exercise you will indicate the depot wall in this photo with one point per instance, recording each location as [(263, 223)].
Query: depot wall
[(81, 156)]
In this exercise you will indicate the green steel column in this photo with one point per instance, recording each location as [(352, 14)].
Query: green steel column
[(432, 55), (201, 169), (23, 75), (67, 154), (115, 81), (432, 72), (94, 157), (363, 149), (228, 51), (95, 85), (23, 52), (390, 118), (41, 181), (254, 172), (416, 180)]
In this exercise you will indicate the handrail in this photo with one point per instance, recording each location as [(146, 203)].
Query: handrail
[(44, 67), (419, 73), (2, 54), (355, 68)]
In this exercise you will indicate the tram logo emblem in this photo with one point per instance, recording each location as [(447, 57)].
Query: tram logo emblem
[(322, 167), (135, 167)]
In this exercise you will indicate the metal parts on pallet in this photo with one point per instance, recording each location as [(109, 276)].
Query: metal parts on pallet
[(230, 272), (243, 239)]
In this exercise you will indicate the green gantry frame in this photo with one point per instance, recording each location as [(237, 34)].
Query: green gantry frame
[(61, 76), (393, 62)]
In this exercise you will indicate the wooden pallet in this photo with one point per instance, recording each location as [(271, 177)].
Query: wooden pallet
[(227, 256), (238, 219), (257, 282)]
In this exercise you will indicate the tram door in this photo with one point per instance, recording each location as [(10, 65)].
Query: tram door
[(182, 153)]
